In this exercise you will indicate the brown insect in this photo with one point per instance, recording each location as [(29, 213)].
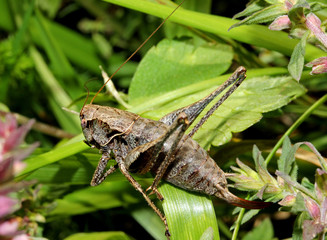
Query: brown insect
[(141, 145)]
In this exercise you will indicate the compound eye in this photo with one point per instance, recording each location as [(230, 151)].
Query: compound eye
[(84, 123)]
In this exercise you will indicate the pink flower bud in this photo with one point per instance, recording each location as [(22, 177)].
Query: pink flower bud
[(313, 24), (289, 4), (287, 201), (318, 65), (280, 23), (313, 208)]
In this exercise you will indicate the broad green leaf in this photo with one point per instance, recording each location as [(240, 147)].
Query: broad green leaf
[(296, 63), (173, 64), (188, 215), (264, 231), (99, 236)]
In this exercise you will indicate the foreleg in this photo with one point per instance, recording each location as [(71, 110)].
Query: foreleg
[(99, 176)]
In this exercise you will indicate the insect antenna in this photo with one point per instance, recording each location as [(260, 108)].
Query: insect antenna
[(87, 95), (145, 41)]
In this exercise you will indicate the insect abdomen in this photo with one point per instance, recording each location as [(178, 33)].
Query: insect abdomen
[(194, 170)]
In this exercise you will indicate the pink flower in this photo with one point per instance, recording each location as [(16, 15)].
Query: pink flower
[(21, 237), (6, 205), (318, 65), (11, 155), (9, 230), (289, 4), (11, 136)]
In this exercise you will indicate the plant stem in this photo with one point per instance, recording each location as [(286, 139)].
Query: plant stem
[(257, 35), (238, 224), (303, 117)]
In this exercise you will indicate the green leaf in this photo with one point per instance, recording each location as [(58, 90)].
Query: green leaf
[(108, 195), (264, 229), (58, 97), (287, 158), (296, 185), (267, 14), (77, 48), (297, 229), (189, 215), (59, 62), (301, 4), (172, 64), (247, 216), (76, 169), (321, 182), (7, 22), (149, 220), (99, 236), (68, 149), (296, 13), (251, 8), (317, 6), (18, 42), (296, 63), (261, 167)]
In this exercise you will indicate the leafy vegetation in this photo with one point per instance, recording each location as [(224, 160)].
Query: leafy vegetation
[(50, 50)]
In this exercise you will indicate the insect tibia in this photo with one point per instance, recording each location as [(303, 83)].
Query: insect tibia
[(243, 203), (99, 175)]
